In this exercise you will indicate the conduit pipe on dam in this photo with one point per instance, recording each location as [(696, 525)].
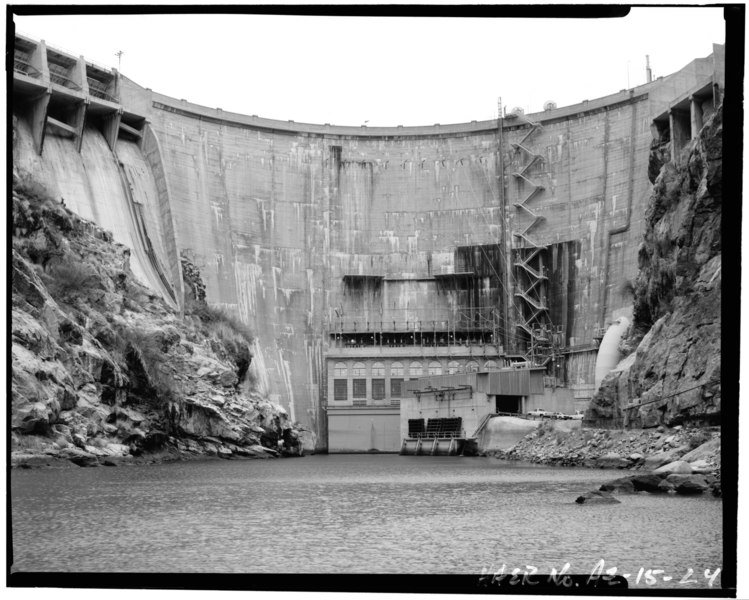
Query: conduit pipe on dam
[(627, 220)]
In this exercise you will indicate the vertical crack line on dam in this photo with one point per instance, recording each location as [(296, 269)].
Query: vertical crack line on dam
[(602, 217), (627, 220)]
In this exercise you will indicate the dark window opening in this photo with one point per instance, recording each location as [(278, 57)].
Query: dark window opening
[(360, 388), (396, 388), (340, 389), (378, 389)]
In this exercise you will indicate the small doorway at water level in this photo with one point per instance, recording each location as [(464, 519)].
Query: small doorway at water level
[(509, 404)]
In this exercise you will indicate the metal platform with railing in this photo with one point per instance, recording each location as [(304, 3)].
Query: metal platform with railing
[(476, 327)]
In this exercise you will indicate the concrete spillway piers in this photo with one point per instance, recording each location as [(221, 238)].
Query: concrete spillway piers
[(68, 93)]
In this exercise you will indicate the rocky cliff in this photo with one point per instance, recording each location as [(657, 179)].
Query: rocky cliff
[(673, 374), (103, 371)]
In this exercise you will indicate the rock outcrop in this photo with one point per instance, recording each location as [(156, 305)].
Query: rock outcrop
[(674, 375), (596, 497), (104, 371)]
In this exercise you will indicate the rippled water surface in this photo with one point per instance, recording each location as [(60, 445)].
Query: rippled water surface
[(353, 514)]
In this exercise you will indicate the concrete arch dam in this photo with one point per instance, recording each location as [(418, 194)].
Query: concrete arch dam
[(342, 242)]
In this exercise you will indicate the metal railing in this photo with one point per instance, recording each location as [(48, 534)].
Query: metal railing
[(481, 318), (98, 89), (487, 417), (60, 76), (62, 50), (22, 64), (436, 434)]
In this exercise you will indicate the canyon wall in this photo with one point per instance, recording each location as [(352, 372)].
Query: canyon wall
[(673, 376)]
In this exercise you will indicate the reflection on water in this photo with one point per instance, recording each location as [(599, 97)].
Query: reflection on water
[(352, 514)]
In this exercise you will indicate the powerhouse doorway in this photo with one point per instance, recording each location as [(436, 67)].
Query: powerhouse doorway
[(509, 404)]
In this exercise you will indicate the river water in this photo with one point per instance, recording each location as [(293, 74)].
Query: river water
[(355, 514)]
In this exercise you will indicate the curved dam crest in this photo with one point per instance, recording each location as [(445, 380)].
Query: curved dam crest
[(313, 233)]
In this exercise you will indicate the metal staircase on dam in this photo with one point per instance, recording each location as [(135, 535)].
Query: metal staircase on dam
[(530, 276)]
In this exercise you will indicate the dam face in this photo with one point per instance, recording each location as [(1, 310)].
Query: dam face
[(357, 253)]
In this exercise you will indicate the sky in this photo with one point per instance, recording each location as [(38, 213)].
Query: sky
[(384, 71)]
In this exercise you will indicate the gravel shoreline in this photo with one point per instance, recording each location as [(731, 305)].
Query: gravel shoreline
[(662, 452)]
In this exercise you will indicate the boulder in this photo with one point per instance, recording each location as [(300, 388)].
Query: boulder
[(118, 449), (227, 378), (612, 460), (706, 451), (224, 452), (678, 466), (701, 466), (623, 484), (61, 441), (692, 486), (665, 486), (218, 400), (596, 497), (95, 451), (636, 457), (677, 478), (658, 460), (646, 483), (79, 457)]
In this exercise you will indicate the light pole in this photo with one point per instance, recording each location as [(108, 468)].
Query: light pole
[(119, 59)]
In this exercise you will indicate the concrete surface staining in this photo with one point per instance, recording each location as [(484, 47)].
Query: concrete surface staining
[(318, 236)]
